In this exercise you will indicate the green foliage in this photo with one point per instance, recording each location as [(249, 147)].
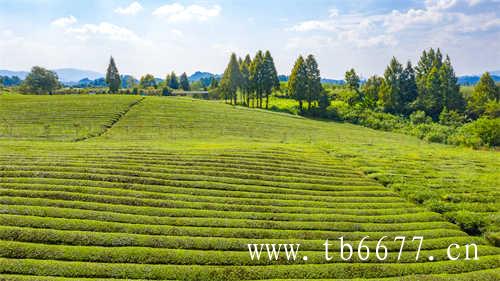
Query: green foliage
[(172, 81), (419, 117), (371, 89), (297, 85), (451, 118), (147, 81), (184, 82), (472, 223), (352, 79), (270, 80), (437, 84), (482, 132), (246, 83), (231, 80), (40, 81), (314, 87), (113, 77), (484, 98)]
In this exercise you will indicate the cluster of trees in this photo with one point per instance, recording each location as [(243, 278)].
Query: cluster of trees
[(305, 83), (40, 81), (430, 87), (171, 82), (254, 78), (10, 81)]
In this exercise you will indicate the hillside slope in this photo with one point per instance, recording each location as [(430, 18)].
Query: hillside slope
[(175, 188)]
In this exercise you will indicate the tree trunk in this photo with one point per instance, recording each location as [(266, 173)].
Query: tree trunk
[(267, 101), (300, 106)]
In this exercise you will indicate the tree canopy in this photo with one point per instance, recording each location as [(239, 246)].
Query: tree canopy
[(113, 76), (41, 81)]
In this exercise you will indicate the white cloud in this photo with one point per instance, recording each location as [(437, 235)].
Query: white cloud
[(440, 4), (366, 30), (104, 30), (310, 25), (179, 13), (64, 21), (473, 2), (132, 9), (397, 21)]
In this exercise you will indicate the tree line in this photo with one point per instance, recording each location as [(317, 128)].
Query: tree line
[(171, 82), (430, 87), (255, 78)]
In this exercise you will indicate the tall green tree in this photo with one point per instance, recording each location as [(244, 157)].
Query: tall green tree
[(399, 90), (452, 99), (173, 81), (113, 76), (231, 80), (246, 85), (435, 95), (257, 74), (352, 80), (371, 90), (485, 92), (297, 84), (314, 87), (184, 82), (409, 90), (40, 81), (270, 77), (147, 81)]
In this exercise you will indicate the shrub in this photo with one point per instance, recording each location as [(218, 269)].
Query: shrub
[(470, 222), (419, 117), (482, 132)]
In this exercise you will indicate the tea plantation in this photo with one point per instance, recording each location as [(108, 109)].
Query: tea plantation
[(155, 188)]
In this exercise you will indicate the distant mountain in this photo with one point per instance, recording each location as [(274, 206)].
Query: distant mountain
[(75, 75), (473, 79), (198, 75), (20, 74)]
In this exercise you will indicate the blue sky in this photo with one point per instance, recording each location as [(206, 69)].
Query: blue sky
[(160, 36)]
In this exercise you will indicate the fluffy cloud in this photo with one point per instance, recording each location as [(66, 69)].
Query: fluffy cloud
[(132, 9), (64, 21), (104, 30), (179, 13), (365, 30)]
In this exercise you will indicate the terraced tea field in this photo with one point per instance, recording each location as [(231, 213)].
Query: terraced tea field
[(176, 189), (61, 117)]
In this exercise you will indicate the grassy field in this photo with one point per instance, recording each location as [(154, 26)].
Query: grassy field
[(174, 189)]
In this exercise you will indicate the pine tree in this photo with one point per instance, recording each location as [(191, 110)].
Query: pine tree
[(172, 81), (314, 87), (352, 80), (390, 97), (184, 82), (297, 84), (371, 90), (231, 80), (446, 94), (246, 86), (113, 76), (485, 91), (270, 77), (408, 89), (257, 77), (450, 90), (432, 101)]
